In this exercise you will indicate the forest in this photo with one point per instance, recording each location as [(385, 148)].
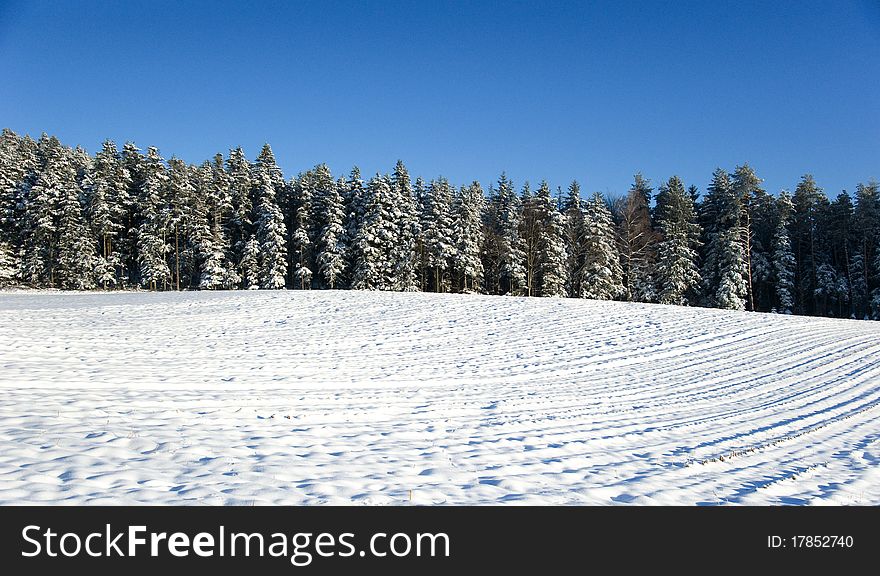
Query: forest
[(131, 219)]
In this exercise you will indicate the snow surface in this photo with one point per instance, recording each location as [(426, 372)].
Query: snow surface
[(386, 398)]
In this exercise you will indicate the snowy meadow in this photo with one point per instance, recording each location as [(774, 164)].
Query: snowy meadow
[(348, 397)]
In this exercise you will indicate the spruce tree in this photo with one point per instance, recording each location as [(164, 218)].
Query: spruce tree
[(240, 227), (469, 206), (678, 276), (574, 234), (437, 233), (353, 201), (330, 246), (783, 259), (375, 239), (153, 228), (809, 202), (552, 253), (75, 270), (725, 268), (601, 276), (405, 257), (638, 242), (512, 255), (271, 234)]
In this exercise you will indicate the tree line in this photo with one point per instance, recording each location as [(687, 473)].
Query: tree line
[(129, 218)]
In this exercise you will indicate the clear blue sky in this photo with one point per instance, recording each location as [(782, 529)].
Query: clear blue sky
[(558, 90)]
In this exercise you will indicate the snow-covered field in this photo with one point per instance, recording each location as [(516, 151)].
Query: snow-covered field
[(381, 398)]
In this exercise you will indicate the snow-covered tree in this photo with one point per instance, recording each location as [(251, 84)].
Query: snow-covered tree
[(637, 241), (405, 257), (240, 226), (678, 276), (783, 259), (437, 232), (271, 233), (330, 245), (152, 231), (375, 239), (468, 208), (552, 253), (574, 234), (75, 248), (303, 191), (601, 276), (512, 255), (725, 268), (353, 202)]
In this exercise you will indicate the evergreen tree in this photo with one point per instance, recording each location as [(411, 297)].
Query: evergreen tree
[(129, 207), (809, 202), (437, 233), (746, 185), (405, 258), (601, 276), (866, 236), (574, 234), (153, 228), (512, 255), (178, 212), (468, 210), (330, 227), (250, 264), (271, 233), (552, 253), (375, 239), (353, 201), (678, 276), (725, 269), (75, 248), (38, 253), (304, 190), (107, 201), (240, 228), (637, 242), (783, 259)]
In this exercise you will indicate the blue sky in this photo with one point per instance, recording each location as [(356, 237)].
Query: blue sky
[(558, 90)]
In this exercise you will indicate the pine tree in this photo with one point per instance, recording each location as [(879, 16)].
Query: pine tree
[(152, 231), (330, 227), (250, 264), (17, 164), (469, 205), (178, 212), (552, 253), (8, 266), (271, 232), (75, 247), (678, 276), (809, 202), (107, 201), (574, 234), (783, 259), (375, 239), (638, 242), (301, 213), (353, 201), (512, 255), (240, 228), (725, 268), (405, 258), (866, 232), (38, 252), (601, 276), (437, 232), (746, 185)]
